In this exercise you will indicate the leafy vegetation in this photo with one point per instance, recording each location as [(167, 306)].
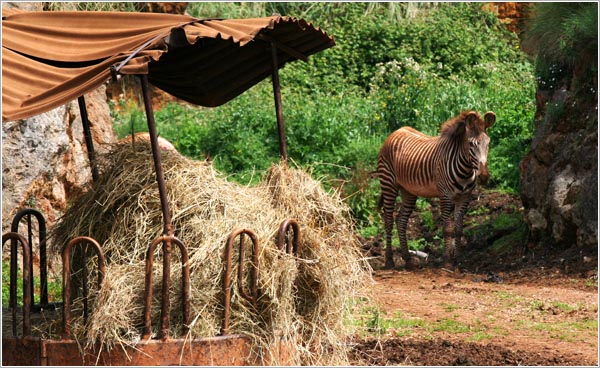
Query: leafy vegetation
[(394, 64), (565, 39)]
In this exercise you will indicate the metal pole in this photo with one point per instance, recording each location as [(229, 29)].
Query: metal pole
[(278, 109), (162, 189), (164, 204), (89, 143)]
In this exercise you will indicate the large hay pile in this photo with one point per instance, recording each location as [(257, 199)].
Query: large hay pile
[(304, 301)]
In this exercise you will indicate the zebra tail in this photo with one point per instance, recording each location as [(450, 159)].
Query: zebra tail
[(380, 202)]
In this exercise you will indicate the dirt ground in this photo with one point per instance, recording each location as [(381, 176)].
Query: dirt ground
[(528, 308), (523, 320)]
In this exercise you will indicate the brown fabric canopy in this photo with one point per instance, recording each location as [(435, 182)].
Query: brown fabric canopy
[(51, 58)]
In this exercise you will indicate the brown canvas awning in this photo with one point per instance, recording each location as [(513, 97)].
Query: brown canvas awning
[(51, 58)]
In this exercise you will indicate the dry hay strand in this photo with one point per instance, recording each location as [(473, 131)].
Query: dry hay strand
[(302, 300)]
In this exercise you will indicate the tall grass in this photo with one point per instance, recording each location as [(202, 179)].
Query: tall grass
[(564, 32)]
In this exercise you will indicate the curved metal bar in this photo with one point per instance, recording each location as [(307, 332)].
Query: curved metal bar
[(185, 280), (27, 292), (43, 259), (292, 245), (66, 259), (254, 272), (227, 278)]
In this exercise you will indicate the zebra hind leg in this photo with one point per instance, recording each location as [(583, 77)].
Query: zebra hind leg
[(408, 205), (389, 204)]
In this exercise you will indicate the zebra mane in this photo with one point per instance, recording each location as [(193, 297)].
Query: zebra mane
[(455, 127)]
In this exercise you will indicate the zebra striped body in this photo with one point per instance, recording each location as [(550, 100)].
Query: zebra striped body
[(447, 166)]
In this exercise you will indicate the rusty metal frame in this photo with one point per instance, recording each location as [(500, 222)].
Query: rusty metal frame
[(87, 133), (291, 244), (231, 350), (160, 179), (66, 259), (253, 296), (27, 292), (167, 241), (28, 213), (278, 104)]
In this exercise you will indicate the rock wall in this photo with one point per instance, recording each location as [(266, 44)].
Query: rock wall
[(513, 14), (559, 176), (44, 158)]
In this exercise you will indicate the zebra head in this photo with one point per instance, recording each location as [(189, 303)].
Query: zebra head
[(479, 142)]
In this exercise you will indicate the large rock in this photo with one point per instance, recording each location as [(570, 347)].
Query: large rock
[(559, 176), (44, 158)]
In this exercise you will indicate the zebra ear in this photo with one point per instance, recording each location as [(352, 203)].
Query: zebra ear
[(490, 119), (471, 118)]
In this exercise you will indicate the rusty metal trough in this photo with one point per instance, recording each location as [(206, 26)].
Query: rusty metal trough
[(227, 349)]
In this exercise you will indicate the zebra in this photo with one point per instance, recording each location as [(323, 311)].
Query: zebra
[(416, 165)]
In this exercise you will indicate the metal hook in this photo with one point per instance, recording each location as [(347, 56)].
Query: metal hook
[(253, 296), (27, 292), (43, 259), (185, 269), (292, 245), (66, 259)]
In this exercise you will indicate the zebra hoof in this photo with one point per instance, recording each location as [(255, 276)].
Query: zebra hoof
[(389, 263), (412, 264), (451, 267)]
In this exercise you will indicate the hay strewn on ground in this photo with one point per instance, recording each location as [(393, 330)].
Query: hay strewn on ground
[(304, 301)]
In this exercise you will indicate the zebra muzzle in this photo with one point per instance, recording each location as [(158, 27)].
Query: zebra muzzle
[(484, 175)]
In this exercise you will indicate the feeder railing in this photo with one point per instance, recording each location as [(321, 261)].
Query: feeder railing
[(27, 292), (253, 295), (167, 241), (27, 213), (286, 240), (66, 259)]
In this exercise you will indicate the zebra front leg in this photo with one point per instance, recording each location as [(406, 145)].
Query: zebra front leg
[(389, 204), (461, 208), (449, 249), (408, 205)]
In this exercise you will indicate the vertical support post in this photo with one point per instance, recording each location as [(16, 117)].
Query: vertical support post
[(89, 144), (278, 108), (160, 179), (164, 204)]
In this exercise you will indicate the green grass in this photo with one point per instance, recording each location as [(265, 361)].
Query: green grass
[(374, 321), (590, 283), (565, 331), (54, 286), (478, 211), (6, 284), (449, 325), (450, 307)]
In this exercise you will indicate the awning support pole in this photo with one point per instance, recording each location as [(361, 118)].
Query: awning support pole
[(87, 133), (162, 189), (164, 204), (278, 108)]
